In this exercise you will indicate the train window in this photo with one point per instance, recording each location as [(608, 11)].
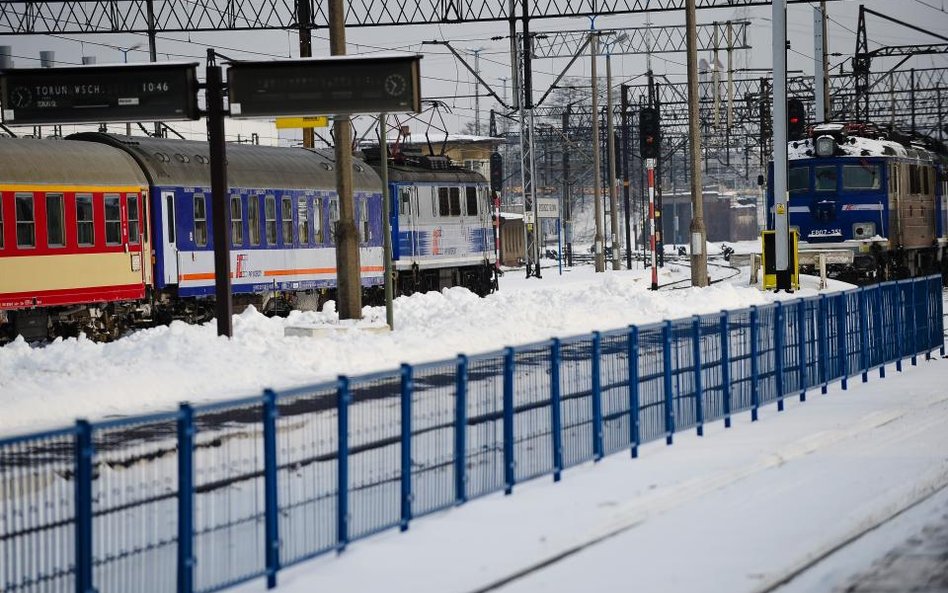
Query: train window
[(169, 201), (318, 220), (303, 224), (862, 176), (404, 201), (236, 222), (455, 201), (444, 202), (471, 201), (271, 218), (85, 228), (365, 232), (825, 178), (113, 219), (25, 221), (253, 218), (55, 222), (286, 205), (333, 217), (915, 182), (133, 218), (1, 221), (798, 179), (200, 220)]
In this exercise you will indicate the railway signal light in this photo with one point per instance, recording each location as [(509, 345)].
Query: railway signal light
[(796, 119), (496, 172), (649, 133)]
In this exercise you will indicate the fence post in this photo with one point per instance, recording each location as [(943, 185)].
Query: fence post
[(780, 338), (555, 418), (876, 313), (842, 312), (85, 450), (633, 354), (755, 362), (669, 396), (406, 385), (823, 342), (185, 499), (899, 327), (726, 368), (342, 463), (699, 388), (940, 325), (271, 502), (914, 323), (598, 449), (460, 432), (802, 326), (509, 476), (864, 332)]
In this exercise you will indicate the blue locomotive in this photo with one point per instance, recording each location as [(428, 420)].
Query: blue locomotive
[(880, 195), (138, 209)]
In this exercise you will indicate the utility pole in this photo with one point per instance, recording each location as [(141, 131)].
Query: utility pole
[(477, 90), (699, 256), (820, 63), (303, 18), (348, 267), (597, 241), (624, 108), (611, 146)]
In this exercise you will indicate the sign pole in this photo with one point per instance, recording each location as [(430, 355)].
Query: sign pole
[(386, 226), (224, 308), (650, 167)]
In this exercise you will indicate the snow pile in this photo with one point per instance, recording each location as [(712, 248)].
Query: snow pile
[(155, 369)]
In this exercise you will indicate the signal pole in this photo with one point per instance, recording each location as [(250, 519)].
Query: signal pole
[(699, 256), (597, 241)]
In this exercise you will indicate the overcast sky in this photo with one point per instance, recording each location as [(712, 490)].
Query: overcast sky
[(445, 79)]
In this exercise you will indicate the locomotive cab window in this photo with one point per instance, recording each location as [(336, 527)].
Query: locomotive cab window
[(55, 221), (825, 178), (85, 228), (286, 204), (471, 193), (236, 222), (271, 218), (798, 179), (200, 220), (862, 176), (253, 219), (133, 218), (25, 221), (113, 219)]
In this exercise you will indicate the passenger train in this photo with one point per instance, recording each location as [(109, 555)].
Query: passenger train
[(875, 193), (100, 233)]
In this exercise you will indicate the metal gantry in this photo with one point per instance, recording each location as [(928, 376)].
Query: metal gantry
[(148, 16)]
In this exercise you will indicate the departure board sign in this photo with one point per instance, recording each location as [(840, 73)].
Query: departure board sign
[(89, 94), (337, 85)]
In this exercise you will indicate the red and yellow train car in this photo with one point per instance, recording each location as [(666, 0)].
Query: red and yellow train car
[(75, 249)]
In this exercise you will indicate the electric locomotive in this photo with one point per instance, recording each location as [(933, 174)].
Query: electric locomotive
[(877, 194)]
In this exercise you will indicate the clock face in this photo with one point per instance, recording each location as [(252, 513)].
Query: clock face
[(395, 85), (21, 97)]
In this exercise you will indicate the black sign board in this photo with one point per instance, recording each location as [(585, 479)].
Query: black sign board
[(326, 86), (84, 94)]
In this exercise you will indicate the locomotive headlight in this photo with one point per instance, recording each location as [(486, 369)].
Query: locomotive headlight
[(864, 230), (825, 146)]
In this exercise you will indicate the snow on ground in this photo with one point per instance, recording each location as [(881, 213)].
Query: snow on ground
[(737, 510), (155, 369)]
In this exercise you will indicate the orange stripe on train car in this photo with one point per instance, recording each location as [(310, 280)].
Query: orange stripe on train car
[(272, 273)]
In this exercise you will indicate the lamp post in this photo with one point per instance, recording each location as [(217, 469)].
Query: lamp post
[(125, 50)]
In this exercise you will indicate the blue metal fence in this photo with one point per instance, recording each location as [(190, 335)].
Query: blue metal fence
[(209, 496)]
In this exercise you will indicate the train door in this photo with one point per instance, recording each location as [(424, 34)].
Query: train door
[(407, 219), (169, 249), (137, 240)]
